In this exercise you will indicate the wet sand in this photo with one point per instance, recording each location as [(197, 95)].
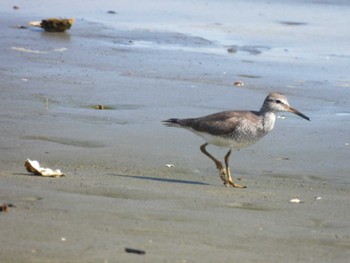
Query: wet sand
[(118, 193)]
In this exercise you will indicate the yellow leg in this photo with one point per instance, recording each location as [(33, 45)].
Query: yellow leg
[(218, 164), (229, 180), (225, 173)]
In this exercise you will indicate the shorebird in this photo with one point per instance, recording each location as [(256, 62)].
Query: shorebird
[(235, 129)]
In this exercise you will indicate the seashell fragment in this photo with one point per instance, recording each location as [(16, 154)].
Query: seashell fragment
[(295, 200), (35, 168)]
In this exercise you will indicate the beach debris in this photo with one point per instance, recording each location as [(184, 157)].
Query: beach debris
[(318, 197), (295, 201), (135, 251), (239, 83), (169, 165), (292, 23), (54, 24), (282, 158), (232, 50), (22, 27), (5, 207), (35, 168), (99, 107), (62, 49)]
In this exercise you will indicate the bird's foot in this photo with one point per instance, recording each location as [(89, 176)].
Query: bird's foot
[(231, 183), (226, 178)]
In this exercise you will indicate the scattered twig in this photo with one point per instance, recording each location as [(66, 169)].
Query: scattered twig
[(135, 251)]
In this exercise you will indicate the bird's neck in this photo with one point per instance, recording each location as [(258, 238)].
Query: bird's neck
[(268, 119)]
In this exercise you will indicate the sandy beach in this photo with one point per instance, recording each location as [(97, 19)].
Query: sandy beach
[(150, 62)]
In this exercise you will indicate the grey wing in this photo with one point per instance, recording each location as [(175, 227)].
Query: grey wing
[(222, 123)]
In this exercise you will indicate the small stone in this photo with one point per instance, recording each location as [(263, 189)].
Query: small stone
[(99, 107), (239, 83)]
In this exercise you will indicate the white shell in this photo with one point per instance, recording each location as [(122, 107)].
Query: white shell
[(35, 168), (295, 200)]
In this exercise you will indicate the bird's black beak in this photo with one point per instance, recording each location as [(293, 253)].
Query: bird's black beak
[(290, 109)]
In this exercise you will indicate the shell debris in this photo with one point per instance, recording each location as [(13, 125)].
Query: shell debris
[(35, 168), (295, 201)]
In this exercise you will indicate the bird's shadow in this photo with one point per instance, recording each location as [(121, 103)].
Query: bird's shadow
[(165, 180)]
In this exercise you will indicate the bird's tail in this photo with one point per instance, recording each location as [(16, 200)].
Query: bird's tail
[(173, 123)]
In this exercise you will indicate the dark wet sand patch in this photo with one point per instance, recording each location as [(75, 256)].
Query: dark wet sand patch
[(292, 23), (66, 141), (114, 107), (119, 193), (248, 76), (252, 50), (248, 206)]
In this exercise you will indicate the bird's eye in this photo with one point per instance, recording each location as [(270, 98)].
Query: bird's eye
[(279, 102)]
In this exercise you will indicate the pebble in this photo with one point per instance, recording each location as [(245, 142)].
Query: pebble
[(239, 83)]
